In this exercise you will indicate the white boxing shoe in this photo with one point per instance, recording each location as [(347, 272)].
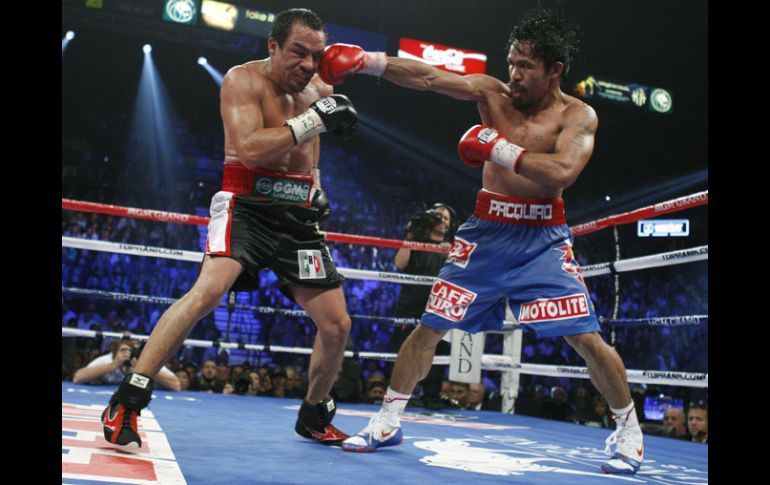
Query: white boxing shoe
[(377, 434), (629, 448)]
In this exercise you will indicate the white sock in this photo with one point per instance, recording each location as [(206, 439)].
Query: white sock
[(393, 404), (626, 415)]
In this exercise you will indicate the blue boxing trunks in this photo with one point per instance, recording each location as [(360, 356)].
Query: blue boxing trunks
[(519, 250)]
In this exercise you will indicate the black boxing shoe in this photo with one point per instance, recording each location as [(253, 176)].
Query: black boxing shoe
[(314, 423), (119, 419), (120, 427)]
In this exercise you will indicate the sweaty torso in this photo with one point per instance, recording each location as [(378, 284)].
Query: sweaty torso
[(536, 133), (276, 107)]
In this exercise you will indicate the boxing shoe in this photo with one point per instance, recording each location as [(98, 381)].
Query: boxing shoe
[(119, 419), (629, 448), (377, 434), (120, 427), (315, 423)]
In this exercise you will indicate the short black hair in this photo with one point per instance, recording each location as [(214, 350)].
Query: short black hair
[(553, 37), (284, 20)]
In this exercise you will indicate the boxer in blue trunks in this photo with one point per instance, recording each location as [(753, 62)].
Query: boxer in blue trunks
[(534, 142)]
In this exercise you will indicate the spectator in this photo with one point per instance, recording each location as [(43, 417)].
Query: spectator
[(583, 409), (347, 387), (673, 418), (557, 407), (255, 388), (474, 399), (294, 388), (698, 422), (184, 379), (206, 382), (527, 403), (601, 417), (221, 377), (433, 226), (112, 367), (457, 393), (376, 392)]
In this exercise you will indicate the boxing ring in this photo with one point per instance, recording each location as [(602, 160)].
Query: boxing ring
[(197, 438)]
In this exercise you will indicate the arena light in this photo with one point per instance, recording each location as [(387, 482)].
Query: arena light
[(153, 129), (217, 76), (66, 40), (147, 48)]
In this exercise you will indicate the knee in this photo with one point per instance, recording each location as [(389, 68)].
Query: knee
[(206, 297), (587, 344), (336, 328), (426, 337)]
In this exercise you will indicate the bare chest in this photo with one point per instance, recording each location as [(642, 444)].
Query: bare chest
[(538, 133), (277, 109)]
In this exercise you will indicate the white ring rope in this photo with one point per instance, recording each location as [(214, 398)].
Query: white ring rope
[(671, 258), (488, 361), (681, 256)]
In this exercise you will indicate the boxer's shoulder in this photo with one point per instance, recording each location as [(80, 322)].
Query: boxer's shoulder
[(249, 77), (577, 111)]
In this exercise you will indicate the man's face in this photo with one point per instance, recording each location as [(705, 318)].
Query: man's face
[(457, 392), (475, 394), (292, 379), (674, 418), (294, 64), (124, 352), (209, 369), (184, 379), (442, 227), (376, 393), (697, 421), (529, 79), (222, 372)]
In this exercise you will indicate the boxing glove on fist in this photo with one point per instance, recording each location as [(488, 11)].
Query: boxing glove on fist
[(321, 202), (334, 113), (482, 143), (342, 60)]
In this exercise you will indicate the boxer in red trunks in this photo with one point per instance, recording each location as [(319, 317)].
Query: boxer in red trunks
[(265, 216)]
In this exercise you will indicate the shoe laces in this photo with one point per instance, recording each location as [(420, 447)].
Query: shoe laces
[(611, 440), (621, 437), (376, 426)]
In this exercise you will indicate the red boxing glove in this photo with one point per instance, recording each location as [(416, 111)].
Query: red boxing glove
[(342, 60), (339, 61), (482, 143)]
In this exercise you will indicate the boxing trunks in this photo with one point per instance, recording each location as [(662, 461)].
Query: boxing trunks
[(263, 219), (519, 250)]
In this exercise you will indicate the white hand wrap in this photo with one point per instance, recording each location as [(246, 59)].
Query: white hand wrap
[(375, 63), (507, 155), (306, 126)]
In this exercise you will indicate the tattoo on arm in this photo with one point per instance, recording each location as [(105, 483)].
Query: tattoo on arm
[(585, 131)]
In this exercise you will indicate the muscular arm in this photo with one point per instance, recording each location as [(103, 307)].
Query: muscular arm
[(574, 146), (240, 99), (417, 75), (84, 375)]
